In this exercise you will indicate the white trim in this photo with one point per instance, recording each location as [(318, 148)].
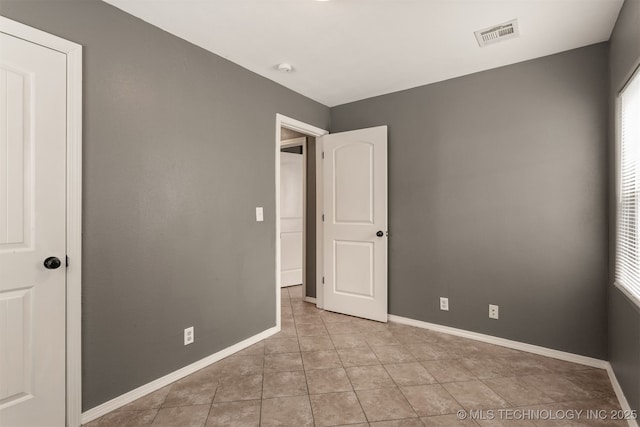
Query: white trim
[(305, 147), (624, 404), (277, 221), (141, 391), (319, 224), (73, 51), (311, 300), (298, 126), (633, 299), (74, 236), (516, 345), (34, 35), (295, 142), (635, 70)]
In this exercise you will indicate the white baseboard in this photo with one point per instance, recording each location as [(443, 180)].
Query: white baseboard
[(141, 391), (624, 404), (312, 300), (516, 345)]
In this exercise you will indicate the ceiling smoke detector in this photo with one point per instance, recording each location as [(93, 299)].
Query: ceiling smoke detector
[(498, 33), (285, 68)]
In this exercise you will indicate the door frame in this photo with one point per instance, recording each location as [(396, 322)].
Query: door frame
[(283, 121), (301, 142), (73, 52)]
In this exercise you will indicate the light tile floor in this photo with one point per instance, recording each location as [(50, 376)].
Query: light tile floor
[(326, 369)]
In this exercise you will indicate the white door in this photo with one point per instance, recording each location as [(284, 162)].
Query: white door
[(32, 229), (291, 218), (355, 224)]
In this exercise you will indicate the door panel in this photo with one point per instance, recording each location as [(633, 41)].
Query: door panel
[(354, 263), (291, 218), (353, 183), (14, 116), (32, 228), (355, 205), (14, 341)]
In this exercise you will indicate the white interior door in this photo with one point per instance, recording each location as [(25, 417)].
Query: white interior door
[(32, 229), (355, 224), (291, 218)]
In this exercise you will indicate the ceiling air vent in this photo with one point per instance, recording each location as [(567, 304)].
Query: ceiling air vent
[(497, 33)]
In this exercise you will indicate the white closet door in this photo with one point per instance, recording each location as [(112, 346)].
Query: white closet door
[(32, 229)]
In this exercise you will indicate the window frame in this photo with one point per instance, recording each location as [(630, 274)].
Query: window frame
[(628, 291)]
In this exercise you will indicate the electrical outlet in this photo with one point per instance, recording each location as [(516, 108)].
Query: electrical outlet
[(444, 304), (493, 311), (188, 336)]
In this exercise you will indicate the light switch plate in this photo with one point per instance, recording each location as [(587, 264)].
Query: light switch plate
[(259, 214)]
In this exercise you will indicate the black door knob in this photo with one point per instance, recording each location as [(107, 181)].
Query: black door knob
[(380, 233), (52, 263)]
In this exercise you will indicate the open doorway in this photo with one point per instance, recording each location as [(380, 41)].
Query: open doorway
[(293, 207), (346, 183), (292, 138)]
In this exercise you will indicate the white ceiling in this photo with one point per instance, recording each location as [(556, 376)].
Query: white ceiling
[(347, 50)]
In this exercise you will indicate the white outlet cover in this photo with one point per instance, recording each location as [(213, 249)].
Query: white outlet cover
[(259, 214), (444, 304), (189, 336), (494, 312)]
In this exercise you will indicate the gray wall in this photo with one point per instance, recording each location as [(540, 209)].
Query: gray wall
[(310, 272), (498, 194), (624, 315), (178, 152)]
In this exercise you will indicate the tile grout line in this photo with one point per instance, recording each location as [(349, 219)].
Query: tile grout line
[(297, 338), (161, 405), (354, 391), (400, 389), (437, 382), (304, 370), (213, 398), (264, 357)]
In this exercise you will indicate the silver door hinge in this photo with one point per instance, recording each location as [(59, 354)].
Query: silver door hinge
[(66, 260), (323, 154), (323, 280), (322, 217)]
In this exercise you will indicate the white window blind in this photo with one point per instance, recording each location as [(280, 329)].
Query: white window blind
[(628, 220)]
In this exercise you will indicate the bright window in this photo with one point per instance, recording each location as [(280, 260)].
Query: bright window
[(628, 213)]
